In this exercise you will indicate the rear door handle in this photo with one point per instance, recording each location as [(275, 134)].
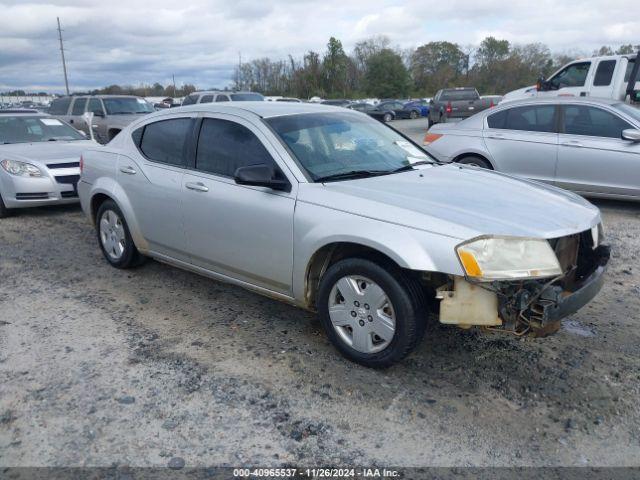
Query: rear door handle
[(572, 143), (128, 170), (496, 136), (198, 187)]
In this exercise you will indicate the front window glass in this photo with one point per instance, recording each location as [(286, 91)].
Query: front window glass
[(78, 106), (247, 97), (225, 146), (604, 73), (573, 76), (627, 73), (95, 106), (333, 144), (594, 122), (126, 106), (24, 129)]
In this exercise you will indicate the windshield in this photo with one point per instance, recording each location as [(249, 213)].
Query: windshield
[(26, 129), (247, 97), (633, 112), (334, 144), (126, 106)]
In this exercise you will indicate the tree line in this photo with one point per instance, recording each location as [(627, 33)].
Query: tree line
[(374, 68)]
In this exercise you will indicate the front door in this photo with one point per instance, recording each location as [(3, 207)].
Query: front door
[(593, 157), (239, 231)]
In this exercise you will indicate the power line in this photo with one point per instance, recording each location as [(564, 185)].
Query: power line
[(64, 63)]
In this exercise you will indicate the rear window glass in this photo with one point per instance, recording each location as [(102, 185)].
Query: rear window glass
[(453, 95), (627, 74), (604, 73), (528, 118), (246, 97), (164, 141)]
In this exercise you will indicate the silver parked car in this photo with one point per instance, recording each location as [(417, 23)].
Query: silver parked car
[(330, 210), (39, 160), (590, 146), (111, 113)]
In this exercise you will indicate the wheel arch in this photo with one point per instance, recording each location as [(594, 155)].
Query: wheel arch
[(107, 189), (479, 155)]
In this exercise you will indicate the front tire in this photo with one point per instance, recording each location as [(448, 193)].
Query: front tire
[(387, 117), (374, 315), (4, 211), (413, 115), (475, 162), (114, 237)]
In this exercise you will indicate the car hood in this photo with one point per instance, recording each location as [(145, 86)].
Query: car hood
[(525, 92), (461, 202), (46, 152)]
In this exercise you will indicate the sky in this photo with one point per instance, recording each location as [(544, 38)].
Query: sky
[(131, 42)]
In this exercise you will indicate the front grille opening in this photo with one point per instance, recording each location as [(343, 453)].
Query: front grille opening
[(68, 179), (68, 194), (31, 196), (64, 165)]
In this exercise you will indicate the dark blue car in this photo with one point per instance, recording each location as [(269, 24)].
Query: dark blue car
[(421, 105)]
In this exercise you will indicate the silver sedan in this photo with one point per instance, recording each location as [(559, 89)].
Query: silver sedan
[(334, 212), (39, 160), (587, 145)]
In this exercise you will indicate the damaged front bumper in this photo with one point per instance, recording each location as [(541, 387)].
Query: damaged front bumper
[(526, 306)]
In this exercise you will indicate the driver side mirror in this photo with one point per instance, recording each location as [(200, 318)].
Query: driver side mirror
[(261, 175), (542, 85), (631, 134)]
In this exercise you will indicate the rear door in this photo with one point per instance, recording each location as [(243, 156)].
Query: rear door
[(593, 157), (239, 231), (523, 140), (152, 180), (603, 80)]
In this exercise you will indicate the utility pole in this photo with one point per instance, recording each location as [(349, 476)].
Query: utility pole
[(174, 85), (64, 63), (239, 83)]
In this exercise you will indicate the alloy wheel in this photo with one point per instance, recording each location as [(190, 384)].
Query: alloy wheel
[(112, 236)]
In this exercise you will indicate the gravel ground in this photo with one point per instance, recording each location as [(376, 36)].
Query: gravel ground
[(153, 365)]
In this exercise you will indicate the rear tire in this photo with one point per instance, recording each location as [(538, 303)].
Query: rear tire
[(413, 115), (430, 123), (475, 162), (387, 117), (114, 237), (359, 299)]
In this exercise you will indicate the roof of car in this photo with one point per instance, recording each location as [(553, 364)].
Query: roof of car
[(562, 99), (262, 109), (217, 92), (99, 96)]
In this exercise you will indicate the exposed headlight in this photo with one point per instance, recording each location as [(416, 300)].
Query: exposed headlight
[(508, 258), (21, 169)]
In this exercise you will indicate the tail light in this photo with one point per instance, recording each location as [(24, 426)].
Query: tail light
[(449, 108), (81, 164), (491, 105), (430, 138)]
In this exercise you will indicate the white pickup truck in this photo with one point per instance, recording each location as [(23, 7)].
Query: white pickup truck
[(615, 76)]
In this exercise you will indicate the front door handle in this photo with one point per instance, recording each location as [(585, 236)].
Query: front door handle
[(572, 143), (496, 136), (128, 170), (198, 187)]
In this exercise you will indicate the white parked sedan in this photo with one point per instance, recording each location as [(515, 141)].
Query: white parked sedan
[(588, 145), (39, 160)]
